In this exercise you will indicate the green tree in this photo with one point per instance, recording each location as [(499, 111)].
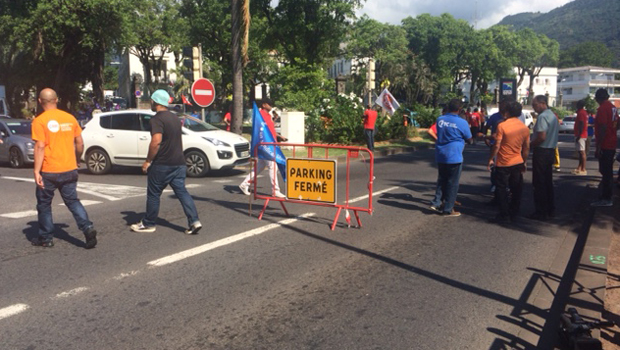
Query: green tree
[(301, 87), (589, 53), (532, 53)]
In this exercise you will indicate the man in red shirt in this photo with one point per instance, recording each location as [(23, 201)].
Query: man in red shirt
[(370, 117), (605, 129), (474, 123), (581, 135)]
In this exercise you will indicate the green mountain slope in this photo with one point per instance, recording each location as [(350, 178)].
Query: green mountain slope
[(576, 22)]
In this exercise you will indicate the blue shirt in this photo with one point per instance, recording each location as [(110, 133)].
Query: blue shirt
[(452, 131), (590, 125), (494, 120), (547, 122)]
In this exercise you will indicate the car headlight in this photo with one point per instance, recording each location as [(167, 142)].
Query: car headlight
[(29, 145), (216, 142)]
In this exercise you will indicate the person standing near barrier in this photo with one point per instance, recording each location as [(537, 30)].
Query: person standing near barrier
[(452, 133), (261, 164), (57, 151), (605, 129), (543, 145), (370, 117), (509, 155), (581, 135), (165, 165)]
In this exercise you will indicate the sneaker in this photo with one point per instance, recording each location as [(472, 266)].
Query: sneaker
[(454, 213), (91, 238), (603, 203), (245, 189), (279, 194), (139, 227), (557, 169), (434, 208), (40, 243), (194, 228)]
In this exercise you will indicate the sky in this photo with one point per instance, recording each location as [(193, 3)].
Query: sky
[(487, 12)]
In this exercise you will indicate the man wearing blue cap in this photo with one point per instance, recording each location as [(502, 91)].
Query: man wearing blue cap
[(165, 165)]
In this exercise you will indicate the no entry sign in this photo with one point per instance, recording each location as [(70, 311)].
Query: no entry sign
[(203, 92)]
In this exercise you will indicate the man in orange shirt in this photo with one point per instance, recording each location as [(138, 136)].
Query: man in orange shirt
[(370, 117), (511, 147), (58, 148)]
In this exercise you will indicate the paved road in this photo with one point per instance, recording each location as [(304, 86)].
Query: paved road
[(409, 279)]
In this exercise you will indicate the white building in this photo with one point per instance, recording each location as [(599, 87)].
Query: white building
[(577, 83), (131, 74), (544, 84)]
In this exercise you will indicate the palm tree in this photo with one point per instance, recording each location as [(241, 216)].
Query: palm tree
[(240, 13)]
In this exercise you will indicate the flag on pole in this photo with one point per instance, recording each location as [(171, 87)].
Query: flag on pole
[(185, 100), (261, 133), (387, 101)]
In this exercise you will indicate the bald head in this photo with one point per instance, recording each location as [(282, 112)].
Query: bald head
[(48, 98)]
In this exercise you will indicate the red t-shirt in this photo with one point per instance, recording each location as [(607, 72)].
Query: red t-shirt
[(434, 128), (227, 118), (370, 117), (475, 120), (582, 118), (269, 122), (607, 114)]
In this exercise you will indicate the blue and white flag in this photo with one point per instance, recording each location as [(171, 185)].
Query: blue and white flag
[(261, 134)]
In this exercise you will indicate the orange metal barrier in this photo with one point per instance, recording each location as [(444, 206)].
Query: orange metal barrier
[(352, 152)]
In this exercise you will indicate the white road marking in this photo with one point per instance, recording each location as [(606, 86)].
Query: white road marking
[(222, 181), (222, 242), (70, 293), (13, 310), (27, 213), (124, 275), (374, 194)]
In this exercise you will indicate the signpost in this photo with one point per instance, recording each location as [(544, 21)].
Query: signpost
[(311, 180)]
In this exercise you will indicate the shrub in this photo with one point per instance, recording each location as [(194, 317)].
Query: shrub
[(337, 120)]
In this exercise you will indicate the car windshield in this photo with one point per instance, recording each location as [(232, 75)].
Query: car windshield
[(195, 124), (20, 128)]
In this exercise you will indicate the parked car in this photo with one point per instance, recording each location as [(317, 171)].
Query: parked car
[(526, 117), (17, 146), (123, 137), (567, 124)]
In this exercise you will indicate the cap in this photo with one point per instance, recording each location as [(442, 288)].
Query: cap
[(161, 97)]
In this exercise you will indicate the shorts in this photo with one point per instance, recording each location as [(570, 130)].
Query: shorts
[(580, 145)]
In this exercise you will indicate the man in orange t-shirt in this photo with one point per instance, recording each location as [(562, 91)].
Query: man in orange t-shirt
[(511, 147), (58, 147), (370, 117)]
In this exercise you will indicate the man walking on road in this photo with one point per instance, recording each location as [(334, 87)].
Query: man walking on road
[(543, 145), (511, 149), (165, 165), (452, 132), (261, 164), (581, 137), (605, 129), (57, 151)]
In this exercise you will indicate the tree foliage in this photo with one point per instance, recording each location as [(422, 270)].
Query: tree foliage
[(589, 53)]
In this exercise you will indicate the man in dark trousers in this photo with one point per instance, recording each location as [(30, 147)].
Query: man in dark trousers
[(543, 145), (370, 117), (165, 165), (511, 148), (605, 129)]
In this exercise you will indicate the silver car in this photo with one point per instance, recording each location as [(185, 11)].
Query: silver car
[(567, 124), (17, 146)]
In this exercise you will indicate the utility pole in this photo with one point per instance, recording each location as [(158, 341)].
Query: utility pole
[(370, 79)]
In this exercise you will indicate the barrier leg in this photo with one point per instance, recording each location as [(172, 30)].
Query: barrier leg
[(336, 218), (357, 217), (263, 211), (284, 208)]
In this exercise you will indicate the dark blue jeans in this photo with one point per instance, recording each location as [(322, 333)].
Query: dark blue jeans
[(542, 180), (606, 168), (370, 138), (159, 177), (66, 183), (509, 177), (447, 185)]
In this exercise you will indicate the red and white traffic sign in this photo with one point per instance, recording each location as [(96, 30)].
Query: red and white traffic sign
[(203, 92)]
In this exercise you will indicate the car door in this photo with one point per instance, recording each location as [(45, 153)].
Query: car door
[(4, 146), (123, 136), (144, 137)]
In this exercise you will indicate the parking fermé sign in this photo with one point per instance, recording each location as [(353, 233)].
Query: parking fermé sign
[(311, 180)]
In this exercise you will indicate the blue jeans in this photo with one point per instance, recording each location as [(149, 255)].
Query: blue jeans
[(66, 183), (447, 185), (160, 176), (369, 134)]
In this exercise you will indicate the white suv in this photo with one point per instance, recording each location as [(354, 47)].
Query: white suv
[(123, 137)]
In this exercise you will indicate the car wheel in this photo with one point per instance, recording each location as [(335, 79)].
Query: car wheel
[(16, 158), (98, 162), (197, 164)]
